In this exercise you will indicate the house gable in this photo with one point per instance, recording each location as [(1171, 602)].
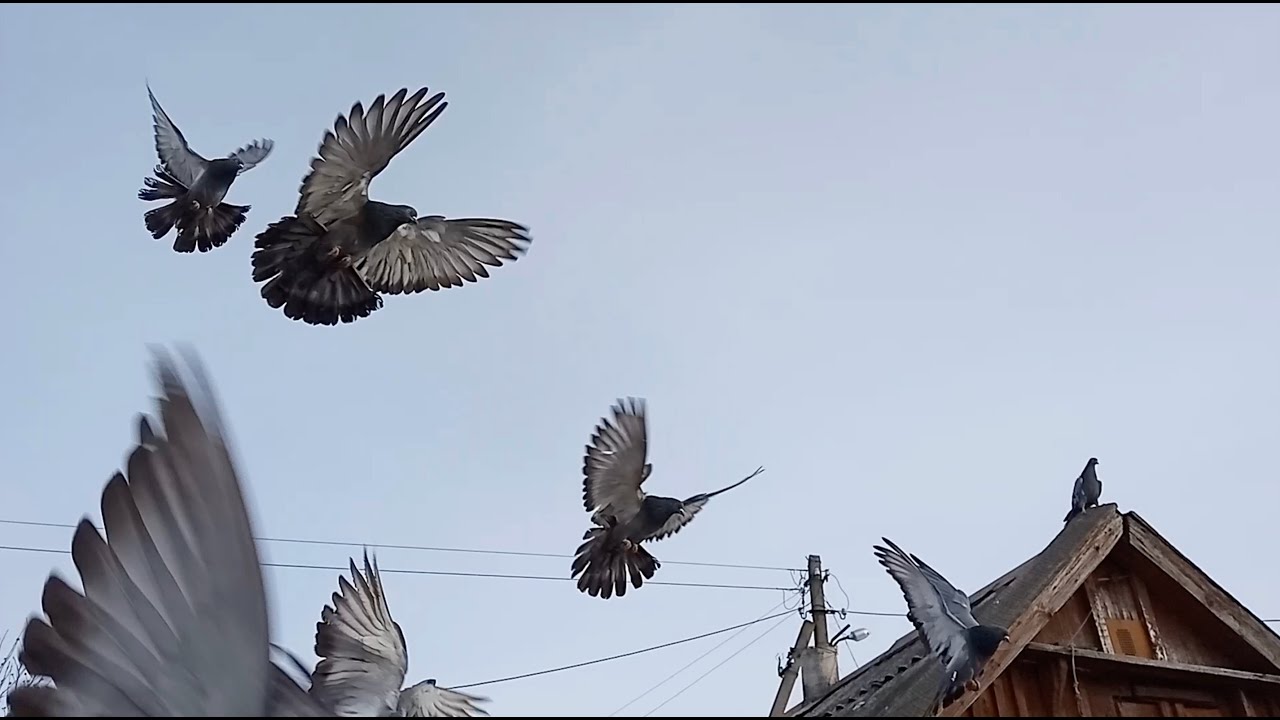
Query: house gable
[(1107, 593)]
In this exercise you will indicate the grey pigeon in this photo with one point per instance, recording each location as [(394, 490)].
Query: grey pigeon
[(943, 621), (614, 468), (173, 619), (328, 262), (1087, 490), (195, 187), (363, 658)]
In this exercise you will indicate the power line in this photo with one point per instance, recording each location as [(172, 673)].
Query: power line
[(695, 661), (622, 655), (447, 573), (422, 548), (717, 666)]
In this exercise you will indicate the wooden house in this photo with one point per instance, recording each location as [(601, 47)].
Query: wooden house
[(1109, 620)]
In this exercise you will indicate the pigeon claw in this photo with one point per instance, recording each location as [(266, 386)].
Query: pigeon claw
[(627, 545), (971, 685)]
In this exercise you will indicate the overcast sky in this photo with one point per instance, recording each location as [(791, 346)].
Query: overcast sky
[(919, 262)]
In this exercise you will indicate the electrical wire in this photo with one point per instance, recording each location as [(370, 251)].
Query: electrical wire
[(695, 661), (423, 548), (619, 656), (447, 573), (717, 666)]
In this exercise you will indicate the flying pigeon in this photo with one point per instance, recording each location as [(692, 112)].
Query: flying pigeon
[(363, 659), (195, 187), (614, 468), (943, 621), (1087, 490), (173, 618), (328, 262)]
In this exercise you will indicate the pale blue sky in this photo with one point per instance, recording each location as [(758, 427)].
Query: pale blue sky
[(919, 262)]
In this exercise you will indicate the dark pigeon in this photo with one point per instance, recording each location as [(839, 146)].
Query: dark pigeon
[(195, 188), (327, 263), (614, 468), (944, 622), (172, 620), (1087, 490)]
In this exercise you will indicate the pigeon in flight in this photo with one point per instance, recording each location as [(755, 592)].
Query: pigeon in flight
[(1087, 490), (195, 187), (363, 659), (329, 261), (614, 468), (173, 620), (943, 621)]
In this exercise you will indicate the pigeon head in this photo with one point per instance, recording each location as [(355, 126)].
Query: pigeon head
[(986, 639), (1093, 461), (405, 213)]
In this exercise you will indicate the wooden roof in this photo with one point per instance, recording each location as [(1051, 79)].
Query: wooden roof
[(903, 680)]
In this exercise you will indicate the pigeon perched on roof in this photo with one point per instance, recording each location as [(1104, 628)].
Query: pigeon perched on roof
[(173, 619), (1087, 490), (328, 262), (195, 187), (363, 659), (614, 468), (943, 621)]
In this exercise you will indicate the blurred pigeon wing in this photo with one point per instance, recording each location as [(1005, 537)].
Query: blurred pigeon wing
[(253, 153), (173, 618), (176, 155), (362, 653), (426, 699), (688, 509), (435, 254), (691, 507), (941, 631), (614, 466), (287, 699), (358, 148), (957, 603)]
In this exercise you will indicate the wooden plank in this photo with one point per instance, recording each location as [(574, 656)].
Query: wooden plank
[(1159, 667), (1059, 685), (1099, 613), (1020, 682), (1093, 551), (1244, 706), (1205, 590), (1148, 617)]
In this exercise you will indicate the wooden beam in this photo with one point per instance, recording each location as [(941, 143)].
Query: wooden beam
[(1094, 550), (1156, 667), (1205, 590)]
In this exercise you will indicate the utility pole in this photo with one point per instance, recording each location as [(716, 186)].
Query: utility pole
[(815, 664), (820, 670)]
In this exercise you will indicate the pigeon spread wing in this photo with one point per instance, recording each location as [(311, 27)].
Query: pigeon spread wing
[(426, 699), (928, 609), (359, 147), (362, 652), (614, 466), (175, 154), (435, 253), (254, 153), (691, 507), (173, 619)]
